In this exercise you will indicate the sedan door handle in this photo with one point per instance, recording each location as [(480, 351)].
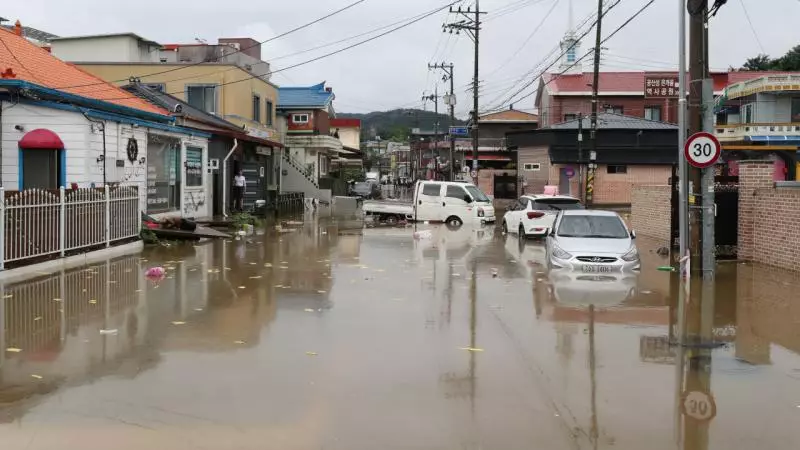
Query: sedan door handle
[(443, 204)]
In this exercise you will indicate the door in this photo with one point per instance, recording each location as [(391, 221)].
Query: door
[(429, 202), (455, 205), (40, 169), (563, 181), (254, 190)]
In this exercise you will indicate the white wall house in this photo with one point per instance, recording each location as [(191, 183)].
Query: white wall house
[(121, 47), (123, 153)]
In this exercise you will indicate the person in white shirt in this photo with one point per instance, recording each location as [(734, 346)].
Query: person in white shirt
[(239, 183)]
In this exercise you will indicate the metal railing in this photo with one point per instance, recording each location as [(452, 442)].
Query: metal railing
[(740, 130), (289, 202), (303, 168), (40, 222), (769, 83)]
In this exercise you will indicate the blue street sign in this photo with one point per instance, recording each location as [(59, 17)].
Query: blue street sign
[(459, 131)]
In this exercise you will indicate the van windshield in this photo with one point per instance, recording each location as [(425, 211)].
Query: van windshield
[(476, 194)]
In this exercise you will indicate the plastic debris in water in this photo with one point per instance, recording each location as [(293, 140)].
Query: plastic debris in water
[(38, 377), (239, 342), (112, 331), (267, 265), (36, 319), (424, 234), (13, 350), (198, 309), (308, 310), (494, 273), (155, 273), (8, 295), (178, 322), (92, 302), (320, 292), (255, 277), (472, 349), (312, 353), (242, 287)]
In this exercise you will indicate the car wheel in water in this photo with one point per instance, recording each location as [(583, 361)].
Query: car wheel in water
[(521, 232), (453, 221), (505, 227)]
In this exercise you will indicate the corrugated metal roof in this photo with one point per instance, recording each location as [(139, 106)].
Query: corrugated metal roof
[(611, 121), (304, 97)]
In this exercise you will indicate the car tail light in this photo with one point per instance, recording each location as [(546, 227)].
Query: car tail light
[(535, 214)]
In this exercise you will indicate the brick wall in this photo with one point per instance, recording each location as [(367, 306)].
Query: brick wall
[(615, 189), (650, 211), (534, 180), (631, 106), (769, 217)]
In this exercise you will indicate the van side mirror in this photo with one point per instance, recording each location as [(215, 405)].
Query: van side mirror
[(467, 198)]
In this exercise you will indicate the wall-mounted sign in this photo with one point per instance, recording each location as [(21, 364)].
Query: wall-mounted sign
[(255, 132), (661, 86), (459, 131), (266, 151)]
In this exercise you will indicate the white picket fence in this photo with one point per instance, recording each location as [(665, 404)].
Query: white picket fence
[(39, 222)]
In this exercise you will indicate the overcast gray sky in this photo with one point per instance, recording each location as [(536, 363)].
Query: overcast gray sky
[(392, 71)]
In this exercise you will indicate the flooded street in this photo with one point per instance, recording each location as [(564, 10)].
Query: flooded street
[(333, 337)]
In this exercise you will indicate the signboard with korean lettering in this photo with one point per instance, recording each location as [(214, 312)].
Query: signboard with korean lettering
[(194, 166), (661, 86)]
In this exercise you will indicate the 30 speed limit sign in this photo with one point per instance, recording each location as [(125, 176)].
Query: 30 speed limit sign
[(699, 406), (702, 150)]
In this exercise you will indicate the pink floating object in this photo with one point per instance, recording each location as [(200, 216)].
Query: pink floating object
[(155, 272)]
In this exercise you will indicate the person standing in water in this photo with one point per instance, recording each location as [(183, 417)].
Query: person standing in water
[(239, 183)]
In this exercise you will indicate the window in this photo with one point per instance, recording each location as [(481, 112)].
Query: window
[(652, 113), (477, 194), (568, 117), (571, 54), (431, 190), (748, 111), (269, 113), (299, 118), (592, 226), (613, 109), (455, 192), (616, 169), (796, 109), (163, 176), (256, 108), (194, 166), (522, 204), (531, 166), (556, 204), (202, 97)]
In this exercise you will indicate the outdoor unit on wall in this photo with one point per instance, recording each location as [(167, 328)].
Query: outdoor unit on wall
[(213, 164)]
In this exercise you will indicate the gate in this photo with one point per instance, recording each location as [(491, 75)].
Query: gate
[(505, 187), (254, 173), (726, 225)]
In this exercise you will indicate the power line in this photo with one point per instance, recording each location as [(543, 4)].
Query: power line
[(286, 33), (752, 28), (624, 24), (357, 44), (513, 7)]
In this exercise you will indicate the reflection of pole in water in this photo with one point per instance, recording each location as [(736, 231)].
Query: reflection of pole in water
[(592, 363), (449, 310), (473, 325)]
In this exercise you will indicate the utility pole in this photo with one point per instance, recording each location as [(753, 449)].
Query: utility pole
[(595, 88), (435, 99), (580, 158), (471, 23), (449, 100)]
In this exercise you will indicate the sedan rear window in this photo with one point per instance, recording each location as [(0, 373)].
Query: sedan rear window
[(610, 227), (557, 204)]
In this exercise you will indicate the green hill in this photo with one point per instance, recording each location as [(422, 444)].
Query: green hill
[(397, 123)]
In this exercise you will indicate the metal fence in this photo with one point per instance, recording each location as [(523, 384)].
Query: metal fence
[(39, 222)]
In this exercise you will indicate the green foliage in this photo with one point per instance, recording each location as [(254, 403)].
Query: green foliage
[(239, 220), (147, 236), (396, 125), (789, 62), (351, 173)]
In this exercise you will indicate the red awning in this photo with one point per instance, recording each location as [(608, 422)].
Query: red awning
[(41, 138)]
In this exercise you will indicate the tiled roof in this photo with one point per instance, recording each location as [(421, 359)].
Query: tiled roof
[(611, 121), (169, 102), (35, 65), (509, 115), (304, 97), (632, 82)]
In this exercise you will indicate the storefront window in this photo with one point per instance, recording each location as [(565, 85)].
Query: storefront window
[(194, 166), (163, 177)]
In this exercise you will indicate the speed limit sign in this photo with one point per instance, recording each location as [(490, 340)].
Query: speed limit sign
[(699, 406), (702, 150)]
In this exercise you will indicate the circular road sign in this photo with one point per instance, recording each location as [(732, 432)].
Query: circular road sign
[(702, 150), (569, 172), (699, 406)]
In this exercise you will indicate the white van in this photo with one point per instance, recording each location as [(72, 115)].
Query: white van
[(453, 203)]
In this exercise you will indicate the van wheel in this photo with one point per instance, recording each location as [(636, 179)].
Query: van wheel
[(454, 221)]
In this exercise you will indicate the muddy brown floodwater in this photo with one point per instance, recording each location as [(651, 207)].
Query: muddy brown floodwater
[(333, 337)]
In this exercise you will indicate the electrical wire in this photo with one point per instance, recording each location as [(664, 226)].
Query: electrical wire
[(752, 28), (624, 24), (186, 66), (511, 8), (326, 55)]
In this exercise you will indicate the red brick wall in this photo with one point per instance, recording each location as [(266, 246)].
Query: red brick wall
[(534, 180), (615, 189), (650, 211), (631, 106), (769, 217)]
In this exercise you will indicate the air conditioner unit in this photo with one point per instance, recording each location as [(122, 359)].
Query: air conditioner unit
[(213, 163)]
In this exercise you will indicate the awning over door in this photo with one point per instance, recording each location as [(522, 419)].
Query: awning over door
[(41, 138)]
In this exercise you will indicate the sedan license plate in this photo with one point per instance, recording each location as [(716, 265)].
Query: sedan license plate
[(597, 269)]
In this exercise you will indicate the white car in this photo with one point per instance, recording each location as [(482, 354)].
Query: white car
[(533, 215)]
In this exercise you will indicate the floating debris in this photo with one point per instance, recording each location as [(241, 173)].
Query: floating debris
[(242, 287), (36, 319), (178, 322), (92, 302), (198, 309), (472, 349), (252, 264), (38, 377), (13, 350), (312, 353), (321, 292), (240, 342), (255, 277), (8, 295), (111, 331), (308, 310), (267, 265)]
